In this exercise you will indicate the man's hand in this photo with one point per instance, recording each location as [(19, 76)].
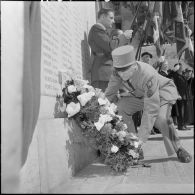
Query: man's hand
[(128, 34)]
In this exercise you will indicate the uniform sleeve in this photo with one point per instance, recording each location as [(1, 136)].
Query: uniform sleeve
[(151, 106), (113, 87)]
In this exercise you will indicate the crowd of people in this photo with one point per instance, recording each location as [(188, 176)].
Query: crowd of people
[(183, 109), (144, 93)]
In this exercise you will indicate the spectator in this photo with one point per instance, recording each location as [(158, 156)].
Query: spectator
[(181, 85), (146, 56), (190, 97), (163, 70)]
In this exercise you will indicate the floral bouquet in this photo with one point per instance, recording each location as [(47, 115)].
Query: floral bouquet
[(101, 124)]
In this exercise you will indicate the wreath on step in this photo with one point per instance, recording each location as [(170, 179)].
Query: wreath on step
[(101, 124)]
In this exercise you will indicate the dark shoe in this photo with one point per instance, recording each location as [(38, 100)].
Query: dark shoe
[(153, 132), (183, 155), (141, 154), (183, 129), (156, 130), (187, 128)]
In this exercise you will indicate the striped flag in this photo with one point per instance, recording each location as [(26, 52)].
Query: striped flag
[(180, 36), (156, 23), (169, 13), (189, 48)]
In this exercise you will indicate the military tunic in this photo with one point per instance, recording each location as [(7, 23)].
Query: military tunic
[(148, 91)]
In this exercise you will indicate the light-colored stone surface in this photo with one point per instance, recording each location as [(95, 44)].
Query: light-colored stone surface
[(57, 152), (166, 175)]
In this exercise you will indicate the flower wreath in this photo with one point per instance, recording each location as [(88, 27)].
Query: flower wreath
[(101, 124)]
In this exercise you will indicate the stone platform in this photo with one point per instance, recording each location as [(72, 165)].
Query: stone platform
[(166, 175)]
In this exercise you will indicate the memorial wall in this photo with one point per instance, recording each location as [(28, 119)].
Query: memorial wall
[(58, 149), (65, 52)]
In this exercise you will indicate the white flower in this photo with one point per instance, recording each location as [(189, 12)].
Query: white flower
[(85, 97), (114, 131), (133, 154), (113, 107), (80, 82), (89, 87), (114, 149), (72, 109), (136, 144), (99, 125), (102, 120), (122, 134), (124, 127), (105, 118), (71, 89), (101, 101), (120, 117)]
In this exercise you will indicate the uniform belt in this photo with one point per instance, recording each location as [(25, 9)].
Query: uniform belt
[(131, 94), (98, 54)]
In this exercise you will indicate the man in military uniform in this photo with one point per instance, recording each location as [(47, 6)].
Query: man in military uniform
[(101, 46), (147, 91)]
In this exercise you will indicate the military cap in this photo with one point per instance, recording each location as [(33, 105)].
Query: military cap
[(123, 56)]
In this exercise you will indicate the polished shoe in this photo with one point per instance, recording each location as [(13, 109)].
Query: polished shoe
[(183, 129), (187, 128), (153, 132), (183, 155)]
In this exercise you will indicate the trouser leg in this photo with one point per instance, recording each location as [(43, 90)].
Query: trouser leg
[(127, 106), (180, 118), (165, 124)]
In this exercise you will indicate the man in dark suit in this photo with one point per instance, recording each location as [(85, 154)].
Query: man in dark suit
[(182, 88), (101, 46)]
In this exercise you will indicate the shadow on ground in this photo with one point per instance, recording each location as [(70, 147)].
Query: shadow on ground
[(161, 138), (160, 160), (97, 169)]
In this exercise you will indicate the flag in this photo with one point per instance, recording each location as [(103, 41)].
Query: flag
[(180, 36), (156, 23), (169, 13), (189, 48)]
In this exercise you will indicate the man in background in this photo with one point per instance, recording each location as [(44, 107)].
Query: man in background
[(101, 46), (146, 57)]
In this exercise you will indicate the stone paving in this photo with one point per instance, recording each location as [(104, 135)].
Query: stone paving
[(166, 174)]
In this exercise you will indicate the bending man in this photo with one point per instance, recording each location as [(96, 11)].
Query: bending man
[(147, 91)]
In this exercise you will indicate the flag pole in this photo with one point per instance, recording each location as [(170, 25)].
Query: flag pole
[(135, 16), (144, 29)]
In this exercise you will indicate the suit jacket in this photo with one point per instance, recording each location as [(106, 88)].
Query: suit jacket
[(182, 85), (147, 85), (101, 46)]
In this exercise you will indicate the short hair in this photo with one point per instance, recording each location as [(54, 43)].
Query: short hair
[(104, 11), (178, 64), (146, 53)]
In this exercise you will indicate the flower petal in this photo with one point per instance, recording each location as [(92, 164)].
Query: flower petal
[(72, 109)]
